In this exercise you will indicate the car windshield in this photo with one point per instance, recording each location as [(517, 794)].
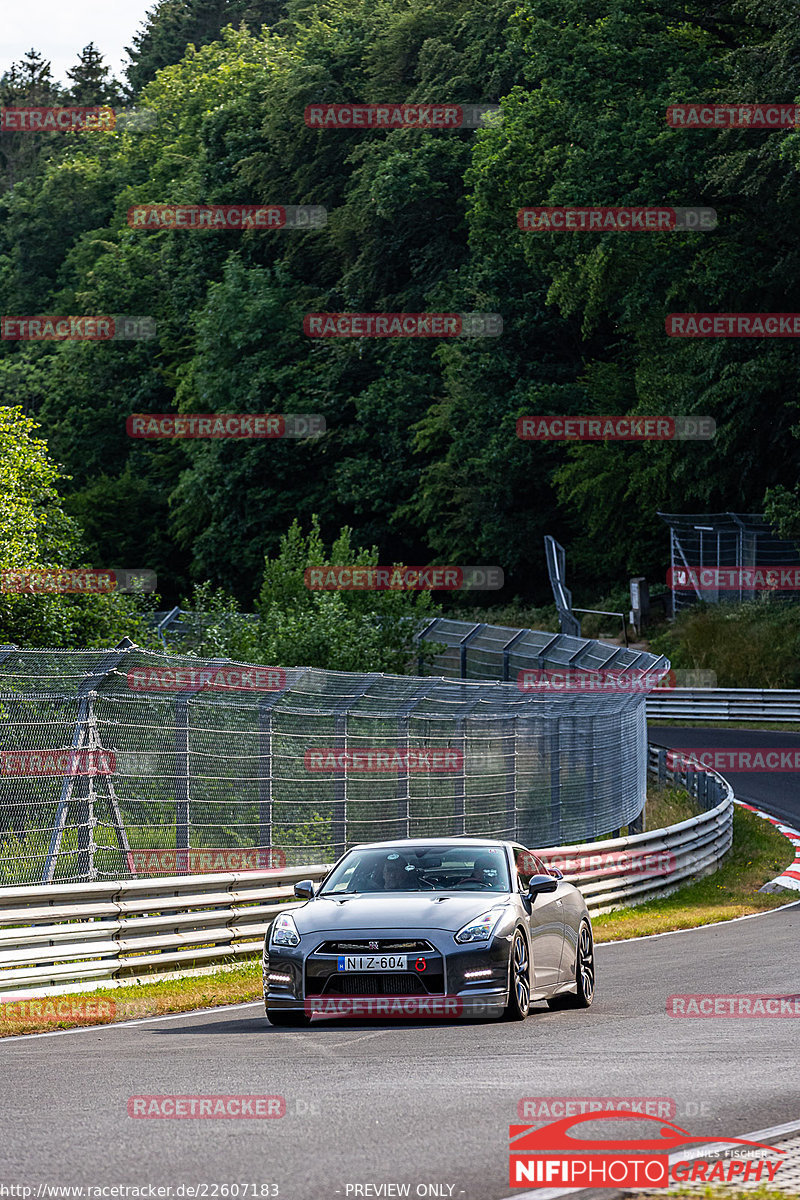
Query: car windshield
[(420, 869)]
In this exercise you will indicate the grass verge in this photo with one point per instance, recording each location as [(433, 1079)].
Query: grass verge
[(108, 1005), (709, 1193), (759, 853)]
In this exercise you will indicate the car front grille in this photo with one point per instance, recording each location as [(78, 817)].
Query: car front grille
[(374, 985), (384, 946)]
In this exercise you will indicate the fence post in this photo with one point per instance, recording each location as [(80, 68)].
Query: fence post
[(265, 798), (510, 767), (460, 788), (464, 643), (182, 796), (554, 838), (403, 790), (507, 653), (95, 675), (341, 713), (422, 636)]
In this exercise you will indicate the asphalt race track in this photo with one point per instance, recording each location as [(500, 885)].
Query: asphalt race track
[(778, 792), (371, 1102), (418, 1103)]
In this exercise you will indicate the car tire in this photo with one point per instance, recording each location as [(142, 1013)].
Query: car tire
[(519, 979), (584, 972), (278, 1017)]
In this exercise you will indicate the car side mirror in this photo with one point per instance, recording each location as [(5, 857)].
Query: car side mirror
[(304, 889), (537, 884)]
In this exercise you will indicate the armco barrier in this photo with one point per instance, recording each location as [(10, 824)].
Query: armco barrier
[(631, 870), (55, 936), (724, 704)]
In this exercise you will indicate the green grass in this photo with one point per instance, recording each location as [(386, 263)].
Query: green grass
[(711, 1193), (759, 853), (106, 1005)]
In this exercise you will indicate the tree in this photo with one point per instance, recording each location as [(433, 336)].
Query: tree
[(300, 626), (34, 81), (172, 25), (36, 533), (28, 82), (90, 80)]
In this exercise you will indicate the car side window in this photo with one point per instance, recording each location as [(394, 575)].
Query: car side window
[(528, 865)]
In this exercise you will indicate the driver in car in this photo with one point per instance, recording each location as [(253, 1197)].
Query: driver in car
[(484, 871), (395, 877)]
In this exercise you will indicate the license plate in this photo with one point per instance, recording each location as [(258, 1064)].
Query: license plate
[(372, 962)]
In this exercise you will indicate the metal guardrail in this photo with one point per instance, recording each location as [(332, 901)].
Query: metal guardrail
[(725, 704), (642, 866), (54, 936)]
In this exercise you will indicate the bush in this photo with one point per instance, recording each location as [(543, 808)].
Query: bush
[(751, 645)]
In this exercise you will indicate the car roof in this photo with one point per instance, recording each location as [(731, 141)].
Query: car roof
[(432, 841)]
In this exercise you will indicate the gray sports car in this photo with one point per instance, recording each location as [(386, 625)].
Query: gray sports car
[(430, 927)]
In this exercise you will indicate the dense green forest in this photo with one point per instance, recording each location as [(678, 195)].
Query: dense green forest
[(421, 458)]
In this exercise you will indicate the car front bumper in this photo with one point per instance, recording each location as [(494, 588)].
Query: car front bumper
[(468, 980)]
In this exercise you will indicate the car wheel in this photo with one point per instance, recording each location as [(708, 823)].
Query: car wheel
[(584, 974), (519, 979), (277, 1017)]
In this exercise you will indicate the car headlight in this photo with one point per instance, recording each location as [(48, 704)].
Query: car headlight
[(284, 931), (481, 928)]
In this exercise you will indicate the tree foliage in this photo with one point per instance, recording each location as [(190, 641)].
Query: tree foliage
[(35, 532), (421, 456)]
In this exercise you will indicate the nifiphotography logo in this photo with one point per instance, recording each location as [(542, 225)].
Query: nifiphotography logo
[(550, 1156)]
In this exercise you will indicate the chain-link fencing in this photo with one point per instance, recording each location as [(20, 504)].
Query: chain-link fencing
[(124, 762)]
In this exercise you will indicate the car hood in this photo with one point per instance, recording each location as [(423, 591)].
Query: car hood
[(442, 910)]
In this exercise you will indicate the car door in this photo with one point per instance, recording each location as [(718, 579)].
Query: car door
[(573, 909), (545, 921)]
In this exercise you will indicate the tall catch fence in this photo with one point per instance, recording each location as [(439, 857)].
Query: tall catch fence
[(128, 763)]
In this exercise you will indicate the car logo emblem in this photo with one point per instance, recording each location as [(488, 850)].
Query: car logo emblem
[(374, 946)]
